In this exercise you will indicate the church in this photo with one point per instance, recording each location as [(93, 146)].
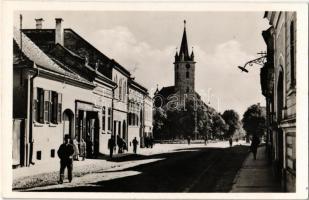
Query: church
[(184, 79)]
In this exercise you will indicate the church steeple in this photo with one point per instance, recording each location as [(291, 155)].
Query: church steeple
[(184, 44)]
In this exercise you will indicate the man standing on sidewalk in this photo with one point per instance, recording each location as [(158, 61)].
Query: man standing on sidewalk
[(254, 145), (65, 153), (111, 146), (135, 143)]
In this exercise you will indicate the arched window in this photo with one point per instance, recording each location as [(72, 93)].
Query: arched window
[(292, 54), (187, 74), (188, 90)]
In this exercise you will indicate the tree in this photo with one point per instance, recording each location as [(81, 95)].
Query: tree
[(159, 120), (254, 120), (219, 127), (231, 118)]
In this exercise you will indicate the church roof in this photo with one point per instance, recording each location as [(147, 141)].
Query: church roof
[(167, 91)]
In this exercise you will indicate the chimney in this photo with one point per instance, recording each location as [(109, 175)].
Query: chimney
[(38, 23), (58, 34)]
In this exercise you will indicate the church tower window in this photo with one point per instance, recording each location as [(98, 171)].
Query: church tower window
[(187, 74), (188, 90)]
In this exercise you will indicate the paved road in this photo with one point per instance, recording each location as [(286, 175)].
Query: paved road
[(194, 170)]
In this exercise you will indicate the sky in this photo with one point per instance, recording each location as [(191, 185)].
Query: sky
[(145, 43)]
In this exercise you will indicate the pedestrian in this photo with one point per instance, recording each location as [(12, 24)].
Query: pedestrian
[(231, 141), (254, 145), (111, 145), (205, 139), (124, 145), (151, 142), (119, 144), (135, 143), (65, 153), (89, 146), (82, 152), (76, 150), (189, 140)]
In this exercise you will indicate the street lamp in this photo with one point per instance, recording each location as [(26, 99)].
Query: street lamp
[(259, 61)]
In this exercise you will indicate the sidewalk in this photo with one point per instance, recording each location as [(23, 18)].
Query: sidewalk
[(256, 175)]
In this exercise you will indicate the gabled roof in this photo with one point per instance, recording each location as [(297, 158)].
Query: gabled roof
[(41, 59)]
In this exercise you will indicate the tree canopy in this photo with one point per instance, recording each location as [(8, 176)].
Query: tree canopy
[(254, 120), (231, 118)]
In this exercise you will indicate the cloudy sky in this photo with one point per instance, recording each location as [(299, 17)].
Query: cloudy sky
[(145, 43)]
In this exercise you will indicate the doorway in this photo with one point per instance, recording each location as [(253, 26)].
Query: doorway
[(68, 117)]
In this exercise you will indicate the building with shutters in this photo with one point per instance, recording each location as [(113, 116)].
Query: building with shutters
[(278, 82), (64, 85), (45, 94)]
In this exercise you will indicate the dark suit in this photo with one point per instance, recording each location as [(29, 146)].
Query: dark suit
[(65, 153)]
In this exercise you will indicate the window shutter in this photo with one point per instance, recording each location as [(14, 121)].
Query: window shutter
[(54, 107), (40, 104), (59, 110), (35, 105), (50, 106)]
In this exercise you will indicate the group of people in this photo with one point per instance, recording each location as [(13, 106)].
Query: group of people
[(148, 142), (122, 145)]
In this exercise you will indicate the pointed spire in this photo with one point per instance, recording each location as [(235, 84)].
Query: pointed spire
[(184, 44), (192, 55)]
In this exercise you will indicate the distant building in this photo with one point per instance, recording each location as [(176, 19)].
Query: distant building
[(278, 81), (184, 77), (136, 116)]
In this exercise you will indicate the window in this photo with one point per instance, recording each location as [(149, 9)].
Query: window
[(120, 89), (52, 153), (59, 111), (188, 90), (292, 54), (103, 119), (124, 90), (47, 106), (119, 128), (54, 107), (187, 74), (109, 119), (39, 155), (40, 105)]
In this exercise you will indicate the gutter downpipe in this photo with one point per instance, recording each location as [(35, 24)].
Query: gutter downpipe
[(112, 122), (29, 144)]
